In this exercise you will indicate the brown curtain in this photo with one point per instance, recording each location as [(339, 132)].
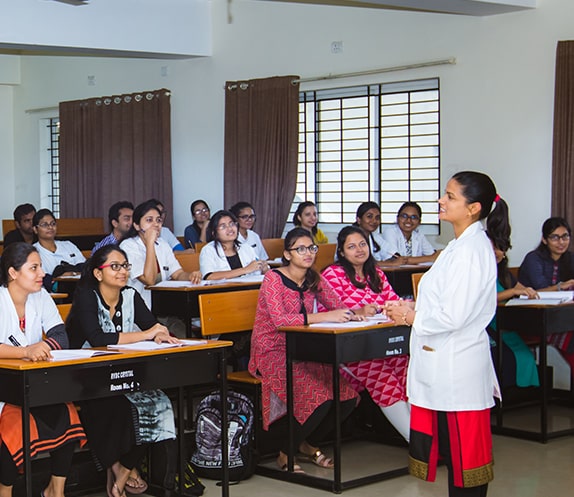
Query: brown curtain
[(114, 148), (261, 133), (563, 146)]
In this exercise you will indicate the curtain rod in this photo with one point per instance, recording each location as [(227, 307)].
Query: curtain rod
[(451, 60)]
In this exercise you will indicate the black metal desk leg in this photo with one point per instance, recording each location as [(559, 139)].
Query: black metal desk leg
[(224, 424), (337, 448), (290, 418), (544, 389), (26, 441), (181, 437)]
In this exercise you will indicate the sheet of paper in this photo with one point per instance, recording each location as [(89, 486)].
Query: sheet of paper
[(191, 342), (348, 324), (378, 318), (180, 284), (524, 302), (145, 345), (70, 354), (564, 295)]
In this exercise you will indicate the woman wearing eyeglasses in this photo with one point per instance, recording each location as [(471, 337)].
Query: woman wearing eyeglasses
[(197, 231), (59, 257), (151, 256), (246, 217), (288, 297), (551, 268), (225, 256), (405, 238), (105, 312)]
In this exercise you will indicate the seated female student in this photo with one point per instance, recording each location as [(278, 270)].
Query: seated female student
[(106, 311), (59, 257), (27, 313), (358, 282), (225, 256), (197, 232), (551, 268), (245, 215), (151, 257), (287, 298), (368, 218), (306, 217), (525, 373), (405, 239)]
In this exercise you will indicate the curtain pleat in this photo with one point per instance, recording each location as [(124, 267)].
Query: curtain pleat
[(114, 148), (261, 142), (563, 137)]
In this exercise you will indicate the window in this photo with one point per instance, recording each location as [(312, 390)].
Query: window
[(50, 164), (377, 142)]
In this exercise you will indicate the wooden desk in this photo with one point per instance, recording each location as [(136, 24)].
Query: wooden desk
[(539, 321), (182, 302), (400, 277), (337, 346), (30, 384)]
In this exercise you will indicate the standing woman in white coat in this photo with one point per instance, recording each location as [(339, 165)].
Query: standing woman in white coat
[(451, 381)]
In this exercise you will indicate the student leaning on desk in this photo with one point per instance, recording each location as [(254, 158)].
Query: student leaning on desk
[(451, 380), (26, 311), (105, 311)]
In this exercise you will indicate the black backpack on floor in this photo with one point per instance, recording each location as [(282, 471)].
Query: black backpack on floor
[(206, 458)]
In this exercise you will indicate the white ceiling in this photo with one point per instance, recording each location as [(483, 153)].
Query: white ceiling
[(462, 7)]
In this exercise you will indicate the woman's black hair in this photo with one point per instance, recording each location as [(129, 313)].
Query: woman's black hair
[(361, 211), (414, 205), (372, 277), (98, 259), (300, 208), (15, 255), (194, 204), (211, 233), (239, 206), (140, 211), (565, 271), (498, 230), (40, 214), (312, 277)]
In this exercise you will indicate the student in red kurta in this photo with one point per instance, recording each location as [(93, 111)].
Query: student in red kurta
[(359, 283), (289, 296)]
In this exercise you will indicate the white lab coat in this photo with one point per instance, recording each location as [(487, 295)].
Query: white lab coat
[(396, 240), (211, 260), (450, 367)]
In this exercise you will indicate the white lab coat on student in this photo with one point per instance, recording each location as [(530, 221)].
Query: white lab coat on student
[(450, 367), (212, 260)]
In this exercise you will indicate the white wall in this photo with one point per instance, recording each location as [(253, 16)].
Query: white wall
[(496, 103)]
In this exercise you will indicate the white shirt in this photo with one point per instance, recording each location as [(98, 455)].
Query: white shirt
[(385, 252), (254, 241), (394, 237), (41, 315), (136, 251), (211, 261), (65, 252), (450, 367)]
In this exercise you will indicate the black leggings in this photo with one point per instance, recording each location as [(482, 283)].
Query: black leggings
[(60, 462), (320, 423), (444, 450)]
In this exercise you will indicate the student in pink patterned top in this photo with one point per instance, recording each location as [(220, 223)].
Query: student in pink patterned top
[(358, 281)]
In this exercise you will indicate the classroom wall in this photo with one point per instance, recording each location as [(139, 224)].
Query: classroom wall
[(496, 102)]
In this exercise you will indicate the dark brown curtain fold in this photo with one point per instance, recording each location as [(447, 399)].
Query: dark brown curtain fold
[(114, 148), (261, 135), (563, 146)]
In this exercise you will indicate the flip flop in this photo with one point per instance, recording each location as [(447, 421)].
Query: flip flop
[(318, 458), (296, 468), (135, 486)]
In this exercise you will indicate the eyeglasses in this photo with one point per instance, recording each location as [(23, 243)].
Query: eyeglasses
[(302, 250), (116, 266), (565, 237), (223, 227), (412, 217), (150, 220), (248, 217), (47, 225), (197, 212)]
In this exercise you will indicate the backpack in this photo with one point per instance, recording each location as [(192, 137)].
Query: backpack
[(206, 458)]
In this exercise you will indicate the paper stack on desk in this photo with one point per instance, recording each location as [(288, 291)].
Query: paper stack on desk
[(151, 345), (546, 298)]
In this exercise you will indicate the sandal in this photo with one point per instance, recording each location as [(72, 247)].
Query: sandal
[(135, 486), (285, 467), (318, 459)]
